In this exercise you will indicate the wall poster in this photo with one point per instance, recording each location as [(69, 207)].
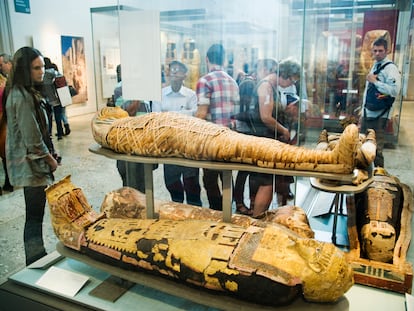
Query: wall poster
[(74, 66)]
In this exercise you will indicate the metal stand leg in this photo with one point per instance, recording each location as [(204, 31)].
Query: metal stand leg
[(149, 190), (227, 195), (338, 204)]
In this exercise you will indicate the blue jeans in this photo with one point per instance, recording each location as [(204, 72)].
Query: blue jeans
[(64, 117), (57, 111)]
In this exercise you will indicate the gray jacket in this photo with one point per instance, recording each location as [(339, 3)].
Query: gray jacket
[(25, 148)]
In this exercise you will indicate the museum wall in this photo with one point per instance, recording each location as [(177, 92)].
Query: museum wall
[(43, 28), (49, 20), (280, 35)]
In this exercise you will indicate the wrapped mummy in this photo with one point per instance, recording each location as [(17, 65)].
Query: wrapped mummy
[(128, 202), (170, 134), (266, 264), (365, 152)]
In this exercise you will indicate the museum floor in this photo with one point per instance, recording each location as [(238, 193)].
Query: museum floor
[(97, 175)]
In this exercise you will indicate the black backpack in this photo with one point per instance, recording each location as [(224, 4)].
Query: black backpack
[(375, 100), (252, 117)]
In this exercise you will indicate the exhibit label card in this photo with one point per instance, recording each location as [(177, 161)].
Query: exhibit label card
[(62, 281)]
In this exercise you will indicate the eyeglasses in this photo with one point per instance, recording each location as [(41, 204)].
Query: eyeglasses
[(176, 69)]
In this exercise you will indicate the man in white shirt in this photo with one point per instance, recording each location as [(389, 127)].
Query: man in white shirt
[(177, 97)]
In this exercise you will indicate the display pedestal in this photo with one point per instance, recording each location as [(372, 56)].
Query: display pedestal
[(141, 296), (164, 285), (225, 167), (340, 190)]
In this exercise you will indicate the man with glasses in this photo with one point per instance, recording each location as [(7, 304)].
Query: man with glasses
[(177, 97), (386, 78)]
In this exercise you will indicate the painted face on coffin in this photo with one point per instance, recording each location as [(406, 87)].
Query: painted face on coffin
[(327, 265)]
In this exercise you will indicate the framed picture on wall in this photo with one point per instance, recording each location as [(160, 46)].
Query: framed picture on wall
[(74, 66)]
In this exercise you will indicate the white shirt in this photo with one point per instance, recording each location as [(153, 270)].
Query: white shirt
[(183, 101)]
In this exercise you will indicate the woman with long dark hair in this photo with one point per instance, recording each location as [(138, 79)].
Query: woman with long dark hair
[(31, 158)]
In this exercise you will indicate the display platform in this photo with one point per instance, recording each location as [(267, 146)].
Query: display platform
[(157, 293), (195, 294), (138, 297), (225, 167), (216, 165)]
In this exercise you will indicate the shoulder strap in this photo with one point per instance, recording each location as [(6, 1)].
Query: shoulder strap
[(260, 82), (275, 91), (382, 67), (265, 80)]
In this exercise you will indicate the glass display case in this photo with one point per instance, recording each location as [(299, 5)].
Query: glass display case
[(331, 40), (337, 57)]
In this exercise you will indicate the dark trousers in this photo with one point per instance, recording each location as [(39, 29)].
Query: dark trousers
[(35, 200), (214, 195), (378, 125), (239, 185), (136, 175), (238, 194), (189, 184)]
